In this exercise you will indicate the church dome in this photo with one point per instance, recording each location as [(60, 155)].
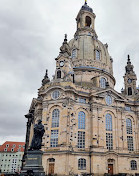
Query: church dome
[(91, 52), (88, 53)]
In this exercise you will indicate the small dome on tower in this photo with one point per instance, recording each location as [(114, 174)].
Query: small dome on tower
[(87, 8)]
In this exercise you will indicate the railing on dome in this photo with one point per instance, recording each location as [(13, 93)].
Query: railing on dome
[(91, 63)]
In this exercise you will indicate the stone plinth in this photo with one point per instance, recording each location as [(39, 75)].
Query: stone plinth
[(33, 164)]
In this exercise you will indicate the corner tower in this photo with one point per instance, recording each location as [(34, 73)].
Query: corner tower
[(91, 61), (130, 79)]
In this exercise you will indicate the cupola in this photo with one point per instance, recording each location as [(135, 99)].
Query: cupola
[(85, 18)]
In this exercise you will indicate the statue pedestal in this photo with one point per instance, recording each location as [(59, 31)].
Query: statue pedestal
[(33, 165)]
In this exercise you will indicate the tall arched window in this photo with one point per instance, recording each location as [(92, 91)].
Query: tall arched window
[(55, 118), (102, 83), (97, 52), (74, 53), (58, 74), (108, 122), (88, 21), (128, 126), (133, 165), (82, 164), (81, 120), (129, 91)]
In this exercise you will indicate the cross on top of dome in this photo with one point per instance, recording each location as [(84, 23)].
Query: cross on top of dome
[(128, 60)]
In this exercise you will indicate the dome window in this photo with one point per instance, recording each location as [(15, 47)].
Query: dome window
[(58, 74), (88, 21), (74, 53), (102, 83), (97, 52)]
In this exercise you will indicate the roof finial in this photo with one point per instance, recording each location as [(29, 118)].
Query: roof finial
[(85, 1), (46, 78), (128, 57), (65, 39)]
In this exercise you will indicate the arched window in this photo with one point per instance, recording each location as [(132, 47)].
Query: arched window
[(81, 120), (82, 164), (133, 164), (58, 74), (74, 53), (55, 118), (108, 122), (88, 21), (102, 83), (128, 126), (129, 91), (97, 52)]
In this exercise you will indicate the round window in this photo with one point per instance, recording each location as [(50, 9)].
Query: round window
[(108, 99), (55, 94)]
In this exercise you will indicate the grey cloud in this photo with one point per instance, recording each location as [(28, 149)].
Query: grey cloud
[(31, 32)]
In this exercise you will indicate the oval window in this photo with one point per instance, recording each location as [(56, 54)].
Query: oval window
[(55, 94)]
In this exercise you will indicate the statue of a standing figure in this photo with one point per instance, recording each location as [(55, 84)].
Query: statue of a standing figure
[(37, 137)]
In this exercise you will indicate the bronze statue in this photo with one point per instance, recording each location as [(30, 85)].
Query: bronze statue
[(37, 137)]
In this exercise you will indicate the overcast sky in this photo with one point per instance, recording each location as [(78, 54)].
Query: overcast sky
[(31, 33)]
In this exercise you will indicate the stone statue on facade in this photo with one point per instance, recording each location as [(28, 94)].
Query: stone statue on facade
[(37, 137)]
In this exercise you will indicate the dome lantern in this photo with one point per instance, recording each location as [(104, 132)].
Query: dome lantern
[(85, 18)]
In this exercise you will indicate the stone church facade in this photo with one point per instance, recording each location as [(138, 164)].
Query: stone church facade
[(89, 126)]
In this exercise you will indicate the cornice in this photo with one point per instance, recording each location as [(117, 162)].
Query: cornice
[(89, 68)]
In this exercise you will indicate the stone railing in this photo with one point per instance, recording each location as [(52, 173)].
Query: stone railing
[(92, 63)]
